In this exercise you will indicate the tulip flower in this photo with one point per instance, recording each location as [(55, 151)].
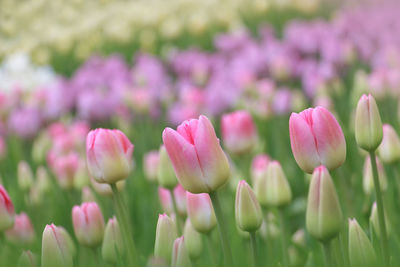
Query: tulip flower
[(259, 167), (201, 212), (165, 237), (25, 176), (368, 181), (324, 215), (65, 168), (361, 251), (109, 155), (164, 196), (22, 232), (374, 221), (272, 189), (166, 175), (113, 242), (368, 124), (239, 132), (180, 257), (43, 180), (88, 224), (7, 212), (248, 212), (389, 149), (193, 240), (55, 248), (150, 165), (68, 239), (316, 139), (27, 259), (199, 162)]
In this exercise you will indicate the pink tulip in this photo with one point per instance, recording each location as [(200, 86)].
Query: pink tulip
[(166, 201), (109, 155), (7, 212), (239, 132), (259, 167), (201, 212), (199, 162), (180, 198), (65, 167), (316, 139), (22, 231), (150, 165), (88, 224)]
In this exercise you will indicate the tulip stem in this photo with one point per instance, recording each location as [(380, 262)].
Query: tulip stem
[(327, 253), (285, 256), (381, 215), (211, 249), (178, 219), (222, 229), (253, 242), (123, 220)]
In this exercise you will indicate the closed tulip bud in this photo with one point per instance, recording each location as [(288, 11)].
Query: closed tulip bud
[(200, 164), (273, 189), (25, 176), (65, 168), (368, 124), (298, 238), (7, 212), (166, 175), (87, 195), (165, 200), (389, 149), (88, 224), (316, 139), (22, 232), (201, 212), (324, 216), (180, 198), (68, 239), (81, 178), (239, 132), (43, 180), (374, 221), (248, 212), (193, 240), (55, 250), (180, 257), (150, 165), (259, 167), (27, 259), (368, 180), (112, 244), (361, 252), (165, 237), (109, 155)]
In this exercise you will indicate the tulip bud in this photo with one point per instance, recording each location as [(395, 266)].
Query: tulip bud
[(180, 198), (112, 242), (273, 189), (25, 176), (109, 155), (22, 232), (27, 259), (87, 195), (55, 250), (43, 180), (68, 239), (368, 125), (316, 139), (65, 168), (248, 212), (201, 212), (88, 224), (7, 212), (374, 221), (150, 165), (298, 238), (361, 252), (193, 240), (199, 162), (180, 257), (259, 167), (81, 178), (166, 175), (165, 200), (389, 149), (368, 180), (165, 237), (324, 216), (239, 132)]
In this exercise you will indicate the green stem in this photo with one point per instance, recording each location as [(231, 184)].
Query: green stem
[(211, 249), (342, 248), (178, 219), (122, 217), (253, 242), (381, 215), (285, 257), (328, 254), (222, 229)]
